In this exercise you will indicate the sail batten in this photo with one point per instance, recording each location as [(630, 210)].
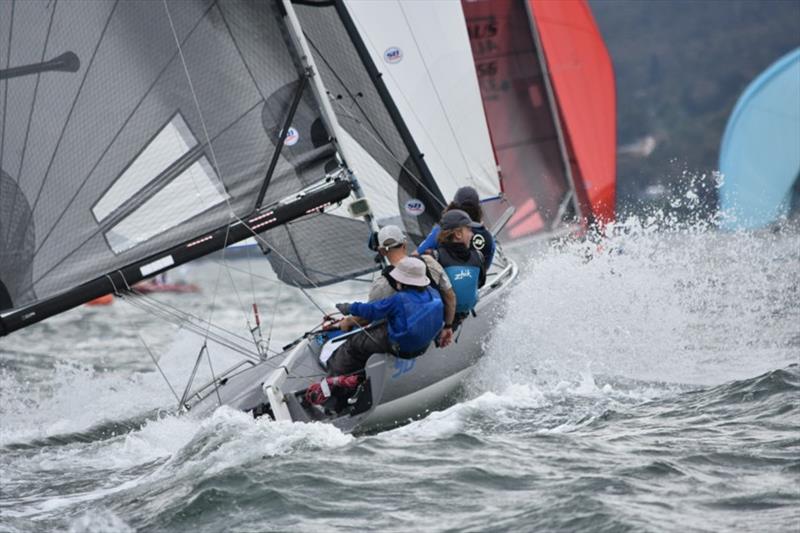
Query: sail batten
[(88, 185)]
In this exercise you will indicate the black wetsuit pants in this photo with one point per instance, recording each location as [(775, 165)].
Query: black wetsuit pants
[(353, 354)]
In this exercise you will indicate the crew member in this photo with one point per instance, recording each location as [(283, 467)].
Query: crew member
[(392, 244), (413, 319), (463, 264), (466, 199)]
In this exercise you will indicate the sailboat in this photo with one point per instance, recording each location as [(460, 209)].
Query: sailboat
[(548, 91), (139, 136), (759, 155)]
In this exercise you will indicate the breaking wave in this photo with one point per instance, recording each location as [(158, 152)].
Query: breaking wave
[(645, 377)]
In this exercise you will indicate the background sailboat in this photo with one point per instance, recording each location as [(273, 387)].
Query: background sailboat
[(548, 92), (760, 153)]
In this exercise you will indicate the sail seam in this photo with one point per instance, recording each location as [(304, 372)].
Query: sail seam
[(30, 118), (239, 50), (35, 95), (5, 85), (105, 151), (435, 89), (197, 106), (72, 107)]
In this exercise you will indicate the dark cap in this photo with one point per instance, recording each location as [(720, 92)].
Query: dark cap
[(456, 218), (466, 195)]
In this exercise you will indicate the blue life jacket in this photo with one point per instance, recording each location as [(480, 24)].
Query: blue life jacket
[(466, 276), (424, 317)]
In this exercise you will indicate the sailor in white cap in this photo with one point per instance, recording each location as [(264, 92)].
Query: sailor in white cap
[(392, 244), (414, 318)]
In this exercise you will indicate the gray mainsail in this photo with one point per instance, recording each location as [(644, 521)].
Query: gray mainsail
[(147, 144), (133, 128)]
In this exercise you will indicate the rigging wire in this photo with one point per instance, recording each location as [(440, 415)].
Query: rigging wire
[(233, 214), (146, 347), (158, 366), (275, 311), (215, 162), (219, 177), (326, 291)]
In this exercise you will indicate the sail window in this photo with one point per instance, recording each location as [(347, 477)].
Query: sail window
[(172, 142), (192, 192)]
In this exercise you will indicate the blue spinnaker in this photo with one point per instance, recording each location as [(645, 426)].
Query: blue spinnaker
[(760, 152)]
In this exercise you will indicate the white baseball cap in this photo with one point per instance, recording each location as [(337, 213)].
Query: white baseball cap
[(390, 236)]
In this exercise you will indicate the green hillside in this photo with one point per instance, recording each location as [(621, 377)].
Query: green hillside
[(680, 67)]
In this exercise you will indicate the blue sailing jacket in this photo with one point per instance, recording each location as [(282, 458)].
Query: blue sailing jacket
[(414, 318), (482, 241)]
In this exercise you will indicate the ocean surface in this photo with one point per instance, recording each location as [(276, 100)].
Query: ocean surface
[(648, 381)]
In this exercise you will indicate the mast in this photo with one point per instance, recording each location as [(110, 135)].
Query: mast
[(562, 146), (320, 94)]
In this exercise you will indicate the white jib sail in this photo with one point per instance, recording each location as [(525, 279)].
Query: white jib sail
[(423, 51)]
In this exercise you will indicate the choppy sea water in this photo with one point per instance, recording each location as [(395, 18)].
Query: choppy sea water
[(649, 382)]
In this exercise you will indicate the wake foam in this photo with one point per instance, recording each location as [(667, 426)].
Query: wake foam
[(656, 303)]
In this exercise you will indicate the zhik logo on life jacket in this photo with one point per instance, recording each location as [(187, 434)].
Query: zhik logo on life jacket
[(462, 274), (478, 241)]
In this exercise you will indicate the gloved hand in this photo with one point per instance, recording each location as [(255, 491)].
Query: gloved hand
[(343, 308)]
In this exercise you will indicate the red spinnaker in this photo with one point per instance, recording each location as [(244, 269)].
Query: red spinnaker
[(519, 113), (583, 80)]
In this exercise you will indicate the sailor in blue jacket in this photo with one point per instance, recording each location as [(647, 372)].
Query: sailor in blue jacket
[(414, 317), (465, 199)]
